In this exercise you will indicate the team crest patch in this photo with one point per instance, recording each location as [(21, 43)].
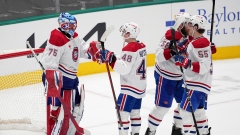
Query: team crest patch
[(75, 54)]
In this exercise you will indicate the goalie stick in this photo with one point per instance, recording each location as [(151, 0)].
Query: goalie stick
[(79, 129), (102, 40), (184, 81)]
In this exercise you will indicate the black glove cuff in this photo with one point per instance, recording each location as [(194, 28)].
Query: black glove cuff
[(113, 59), (173, 52)]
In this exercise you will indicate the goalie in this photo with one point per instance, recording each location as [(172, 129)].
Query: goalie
[(61, 59)]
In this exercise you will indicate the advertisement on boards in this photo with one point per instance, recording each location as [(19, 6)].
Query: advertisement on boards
[(153, 20)]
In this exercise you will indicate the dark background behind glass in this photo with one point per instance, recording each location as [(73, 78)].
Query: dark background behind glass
[(15, 9)]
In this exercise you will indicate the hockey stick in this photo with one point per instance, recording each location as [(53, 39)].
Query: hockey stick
[(184, 81), (212, 21), (34, 54), (102, 40), (211, 35), (80, 130)]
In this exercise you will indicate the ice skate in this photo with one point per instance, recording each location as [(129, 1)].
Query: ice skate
[(176, 131), (148, 132)]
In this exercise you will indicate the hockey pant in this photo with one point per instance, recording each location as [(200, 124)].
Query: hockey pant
[(166, 91)]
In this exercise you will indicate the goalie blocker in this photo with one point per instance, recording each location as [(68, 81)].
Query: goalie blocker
[(58, 86)]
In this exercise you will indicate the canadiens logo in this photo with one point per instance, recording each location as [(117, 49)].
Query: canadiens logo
[(75, 54)]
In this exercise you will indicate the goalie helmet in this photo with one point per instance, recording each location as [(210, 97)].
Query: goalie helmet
[(67, 23), (180, 18), (130, 27), (199, 20)]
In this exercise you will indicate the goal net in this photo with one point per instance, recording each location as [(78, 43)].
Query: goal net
[(22, 99)]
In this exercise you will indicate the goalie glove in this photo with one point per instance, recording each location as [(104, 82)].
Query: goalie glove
[(93, 51)]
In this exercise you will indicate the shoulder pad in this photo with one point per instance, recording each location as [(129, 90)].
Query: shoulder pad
[(201, 43), (133, 46), (57, 38), (168, 35)]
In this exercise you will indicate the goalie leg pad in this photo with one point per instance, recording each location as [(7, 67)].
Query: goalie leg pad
[(53, 117), (53, 82), (62, 125), (58, 124), (78, 110)]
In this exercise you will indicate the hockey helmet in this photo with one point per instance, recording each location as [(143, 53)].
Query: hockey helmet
[(199, 20), (180, 18), (130, 27)]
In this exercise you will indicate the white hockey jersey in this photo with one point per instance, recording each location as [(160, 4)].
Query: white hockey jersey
[(199, 76), (132, 69), (63, 53), (165, 64)]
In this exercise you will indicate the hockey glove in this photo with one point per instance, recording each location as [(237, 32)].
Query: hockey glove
[(213, 48), (107, 56), (182, 61), (93, 50), (182, 45)]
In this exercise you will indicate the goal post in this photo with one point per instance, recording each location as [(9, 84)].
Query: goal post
[(22, 99)]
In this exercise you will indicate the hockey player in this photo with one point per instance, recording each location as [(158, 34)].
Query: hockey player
[(168, 77), (132, 69), (197, 64), (62, 54)]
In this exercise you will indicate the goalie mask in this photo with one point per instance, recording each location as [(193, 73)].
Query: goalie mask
[(67, 23), (130, 27)]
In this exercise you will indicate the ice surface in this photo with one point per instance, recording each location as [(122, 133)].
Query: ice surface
[(100, 114)]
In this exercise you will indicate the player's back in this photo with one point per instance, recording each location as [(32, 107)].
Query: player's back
[(134, 81)]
